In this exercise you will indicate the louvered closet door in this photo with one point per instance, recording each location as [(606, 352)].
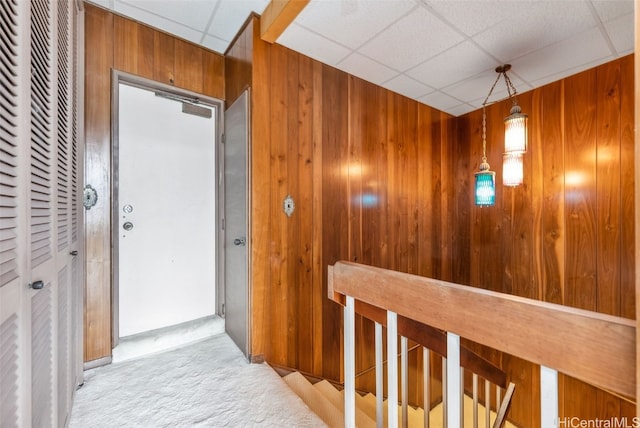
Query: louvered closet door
[(13, 237), (66, 209), (40, 217)]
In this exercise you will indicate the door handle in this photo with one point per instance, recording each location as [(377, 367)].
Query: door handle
[(37, 285), (240, 241)]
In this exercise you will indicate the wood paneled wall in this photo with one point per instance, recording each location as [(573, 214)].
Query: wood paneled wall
[(383, 180), (366, 169), (567, 234), (113, 42)]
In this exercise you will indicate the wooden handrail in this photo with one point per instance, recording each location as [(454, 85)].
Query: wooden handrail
[(596, 348), (435, 340)]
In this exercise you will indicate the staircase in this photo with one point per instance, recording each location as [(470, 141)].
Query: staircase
[(328, 403)]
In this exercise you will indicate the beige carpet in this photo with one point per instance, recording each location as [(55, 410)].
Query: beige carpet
[(206, 384)]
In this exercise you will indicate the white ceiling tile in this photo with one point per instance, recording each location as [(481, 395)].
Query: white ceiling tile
[(460, 109), (478, 86), (612, 9), (620, 32), (312, 45), (440, 101), (540, 24), (215, 44), (108, 4), (230, 16), (407, 86), (366, 68), (157, 21), (568, 72), (411, 40), (415, 46), (473, 16), (558, 59), (190, 13), (350, 22), (453, 65)]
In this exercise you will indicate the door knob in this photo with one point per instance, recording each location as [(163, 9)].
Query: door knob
[(37, 285), (127, 226), (240, 241)]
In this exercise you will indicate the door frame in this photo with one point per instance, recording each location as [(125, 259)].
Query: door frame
[(118, 77)]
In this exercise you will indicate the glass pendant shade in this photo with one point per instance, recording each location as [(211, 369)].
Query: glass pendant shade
[(485, 188), (512, 169), (515, 133)]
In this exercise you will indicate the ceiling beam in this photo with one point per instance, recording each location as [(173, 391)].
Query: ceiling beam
[(277, 17)]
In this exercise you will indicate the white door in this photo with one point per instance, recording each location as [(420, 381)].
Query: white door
[(166, 213), (236, 293)]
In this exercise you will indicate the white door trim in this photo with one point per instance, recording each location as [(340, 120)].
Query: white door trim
[(119, 77)]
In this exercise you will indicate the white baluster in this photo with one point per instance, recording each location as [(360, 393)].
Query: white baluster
[(453, 380), (487, 403), (426, 386), (548, 397), (404, 351), (392, 369), (379, 378), (349, 364)]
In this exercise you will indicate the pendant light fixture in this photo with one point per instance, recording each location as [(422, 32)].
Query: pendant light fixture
[(515, 140), (485, 184)]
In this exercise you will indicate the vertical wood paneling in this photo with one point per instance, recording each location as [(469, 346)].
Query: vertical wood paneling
[(628, 186), (444, 149), (395, 190), (608, 192), (98, 62), (239, 64), (213, 74), (463, 198), (278, 178), (319, 292), (522, 224), (188, 66), (164, 58), (304, 272), (292, 226), (129, 34), (580, 182), (428, 192), (552, 233), (335, 216)]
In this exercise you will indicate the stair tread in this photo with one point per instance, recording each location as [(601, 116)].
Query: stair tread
[(330, 414), (328, 403)]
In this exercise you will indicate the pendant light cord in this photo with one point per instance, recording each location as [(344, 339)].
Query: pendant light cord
[(484, 134)]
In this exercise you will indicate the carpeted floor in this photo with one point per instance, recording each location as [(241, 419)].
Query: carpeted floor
[(206, 384)]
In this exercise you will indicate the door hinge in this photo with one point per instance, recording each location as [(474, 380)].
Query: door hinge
[(223, 309), (223, 224), (223, 138)]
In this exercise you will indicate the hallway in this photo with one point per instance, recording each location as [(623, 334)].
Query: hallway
[(205, 384)]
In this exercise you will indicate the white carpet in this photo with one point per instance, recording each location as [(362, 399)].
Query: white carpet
[(206, 384)]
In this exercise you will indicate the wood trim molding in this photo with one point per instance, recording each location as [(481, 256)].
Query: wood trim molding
[(596, 348), (278, 15), (637, 205)]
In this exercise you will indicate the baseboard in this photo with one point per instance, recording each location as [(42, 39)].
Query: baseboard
[(88, 365)]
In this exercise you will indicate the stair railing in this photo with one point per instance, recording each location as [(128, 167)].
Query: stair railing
[(432, 339), (596, 348)]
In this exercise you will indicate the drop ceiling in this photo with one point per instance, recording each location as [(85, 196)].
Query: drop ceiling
[(442, 53)]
